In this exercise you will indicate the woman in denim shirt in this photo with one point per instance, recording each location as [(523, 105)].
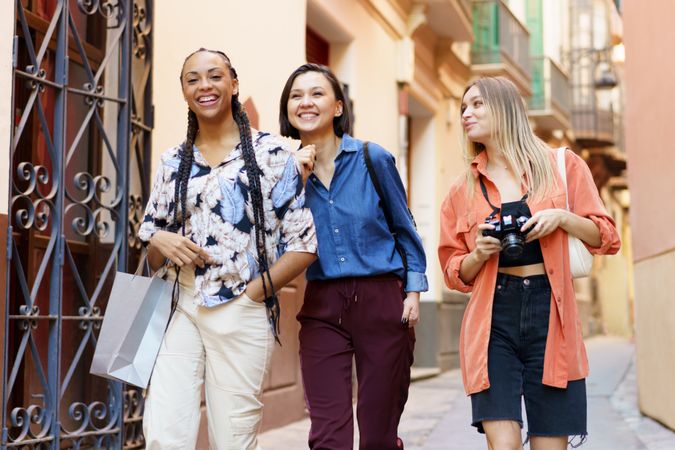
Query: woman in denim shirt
[(361, 300)]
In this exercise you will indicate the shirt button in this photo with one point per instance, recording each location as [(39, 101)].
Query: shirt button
[(337, 230), (550, 271), (330, 201), (342, 259)]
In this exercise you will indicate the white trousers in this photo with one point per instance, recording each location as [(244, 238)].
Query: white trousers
[(227, 349)]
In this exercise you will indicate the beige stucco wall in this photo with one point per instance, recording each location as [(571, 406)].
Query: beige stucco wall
[(655, 336), (650, 136), (650, 142), (6, 33), (613, 277), (264, 52)]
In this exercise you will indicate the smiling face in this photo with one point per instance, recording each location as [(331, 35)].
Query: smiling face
[(476, 119), (208, 86), (312, 105)]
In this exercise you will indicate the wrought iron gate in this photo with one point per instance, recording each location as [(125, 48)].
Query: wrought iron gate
[(79, 161)]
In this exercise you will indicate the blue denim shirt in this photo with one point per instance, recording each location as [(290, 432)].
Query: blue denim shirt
[(354, 239)]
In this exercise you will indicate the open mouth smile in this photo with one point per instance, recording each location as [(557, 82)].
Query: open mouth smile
[(307, 116), (207, 100)]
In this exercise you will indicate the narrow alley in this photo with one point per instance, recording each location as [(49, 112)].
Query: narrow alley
[(437, 414)]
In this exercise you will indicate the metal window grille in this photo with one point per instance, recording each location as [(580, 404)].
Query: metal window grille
[(79, 160)]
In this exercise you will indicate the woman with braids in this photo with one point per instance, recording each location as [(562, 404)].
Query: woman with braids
[(226, 216), (362, 298), (520, 337)]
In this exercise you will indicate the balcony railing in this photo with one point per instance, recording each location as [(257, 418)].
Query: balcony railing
[(593, 126), (550, 87), (499, 36)]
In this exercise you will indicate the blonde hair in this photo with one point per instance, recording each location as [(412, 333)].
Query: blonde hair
[(524, 152)]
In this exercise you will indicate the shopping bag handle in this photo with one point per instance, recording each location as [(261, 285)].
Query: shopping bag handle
[(143, 259)]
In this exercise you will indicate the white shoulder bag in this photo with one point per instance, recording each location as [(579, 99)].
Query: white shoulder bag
[(581, 260)]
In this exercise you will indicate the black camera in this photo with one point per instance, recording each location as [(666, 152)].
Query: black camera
[(507, 230)]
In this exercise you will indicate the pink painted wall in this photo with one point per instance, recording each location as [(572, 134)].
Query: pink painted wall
[(649, 38)]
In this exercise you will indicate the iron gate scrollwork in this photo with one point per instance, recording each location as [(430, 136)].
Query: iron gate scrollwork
[(79, 160)]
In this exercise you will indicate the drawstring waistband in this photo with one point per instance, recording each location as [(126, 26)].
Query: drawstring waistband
[(348, 286), (348, 298)]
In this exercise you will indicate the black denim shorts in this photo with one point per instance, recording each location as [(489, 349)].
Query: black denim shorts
[(520, 317)]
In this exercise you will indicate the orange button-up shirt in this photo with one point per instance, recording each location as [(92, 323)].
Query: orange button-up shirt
[(565, 357)]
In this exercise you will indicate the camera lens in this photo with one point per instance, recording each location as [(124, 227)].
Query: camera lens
[(512, 245)]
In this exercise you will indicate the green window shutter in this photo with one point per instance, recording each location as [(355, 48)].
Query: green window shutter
[(535, 24), (485, 47)]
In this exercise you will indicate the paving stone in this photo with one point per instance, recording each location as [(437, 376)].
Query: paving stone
[(438, 413)]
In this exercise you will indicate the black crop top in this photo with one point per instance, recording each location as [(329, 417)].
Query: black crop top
[(532, 250)]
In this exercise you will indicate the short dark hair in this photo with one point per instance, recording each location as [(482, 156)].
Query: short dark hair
[(341, 124)]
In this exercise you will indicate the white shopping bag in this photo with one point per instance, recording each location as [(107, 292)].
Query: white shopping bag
[(133, 327)]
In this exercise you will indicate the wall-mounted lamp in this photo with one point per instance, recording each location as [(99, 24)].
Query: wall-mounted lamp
[(605, 79)]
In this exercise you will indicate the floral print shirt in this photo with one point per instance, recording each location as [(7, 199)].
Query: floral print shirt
[(220, 214)]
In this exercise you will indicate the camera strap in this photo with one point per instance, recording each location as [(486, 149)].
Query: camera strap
[(495, 210)]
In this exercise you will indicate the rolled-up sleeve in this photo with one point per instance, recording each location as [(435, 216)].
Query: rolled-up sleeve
[(452, 249), (585, 201)]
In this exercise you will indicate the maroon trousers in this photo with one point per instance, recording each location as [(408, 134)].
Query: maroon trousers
[(360, 318)]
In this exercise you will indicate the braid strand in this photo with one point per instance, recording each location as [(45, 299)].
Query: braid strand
[(254, 173), (186, 155)]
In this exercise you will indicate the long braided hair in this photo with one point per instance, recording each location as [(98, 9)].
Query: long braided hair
[(253, 173)]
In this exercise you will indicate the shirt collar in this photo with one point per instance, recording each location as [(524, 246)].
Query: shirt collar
[(479, 164), (348, 144), (198, 157)]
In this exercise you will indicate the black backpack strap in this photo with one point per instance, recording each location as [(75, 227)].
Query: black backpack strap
[(383, 205), (376, 183), (378, 189)]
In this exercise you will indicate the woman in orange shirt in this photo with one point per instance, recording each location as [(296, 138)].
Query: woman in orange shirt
[(504, 228)]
